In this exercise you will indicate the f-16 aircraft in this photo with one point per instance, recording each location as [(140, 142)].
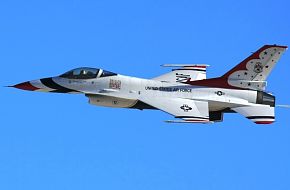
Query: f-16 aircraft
[(185, 92)]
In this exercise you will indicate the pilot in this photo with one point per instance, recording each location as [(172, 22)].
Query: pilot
[(83, 72)]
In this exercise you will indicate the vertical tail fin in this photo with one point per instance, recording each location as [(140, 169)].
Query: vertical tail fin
[(253, 71)]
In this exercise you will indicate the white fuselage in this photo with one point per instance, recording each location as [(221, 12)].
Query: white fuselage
[(124, 91)]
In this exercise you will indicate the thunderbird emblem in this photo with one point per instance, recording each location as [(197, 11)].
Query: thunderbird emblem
[(258, 68)]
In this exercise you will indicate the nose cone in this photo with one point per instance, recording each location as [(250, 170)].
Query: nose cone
[(25, 86), (55, 84)]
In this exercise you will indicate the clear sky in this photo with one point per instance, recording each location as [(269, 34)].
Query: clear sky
[(58, 141)]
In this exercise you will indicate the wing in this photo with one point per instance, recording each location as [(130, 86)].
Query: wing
[(188, 110), (183, 73)]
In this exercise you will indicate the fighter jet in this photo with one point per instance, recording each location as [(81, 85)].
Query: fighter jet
[(185, 92)]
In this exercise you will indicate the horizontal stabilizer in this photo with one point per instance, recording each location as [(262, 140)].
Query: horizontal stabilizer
[(260, 114)]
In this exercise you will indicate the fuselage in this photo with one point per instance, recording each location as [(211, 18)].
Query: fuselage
[(125, 91)]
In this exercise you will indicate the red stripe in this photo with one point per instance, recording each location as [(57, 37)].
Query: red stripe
[(26, 86), (264, 122), (213, 82), (198, 66)]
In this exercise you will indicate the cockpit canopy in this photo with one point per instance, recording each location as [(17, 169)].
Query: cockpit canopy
[(87, 73)]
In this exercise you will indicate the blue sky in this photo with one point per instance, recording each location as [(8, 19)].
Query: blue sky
[(59, 141)]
